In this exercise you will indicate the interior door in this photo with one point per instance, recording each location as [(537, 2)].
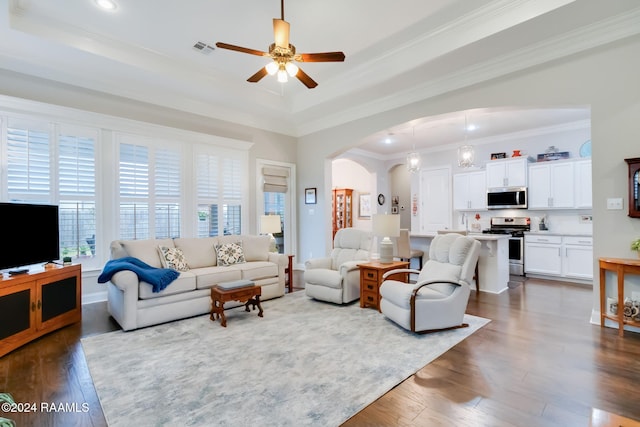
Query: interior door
[(435, 199)]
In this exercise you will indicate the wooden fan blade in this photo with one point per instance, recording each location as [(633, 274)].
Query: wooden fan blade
[(258, 76), (281, 33), (305, 79), (241, 49), (321, 57)]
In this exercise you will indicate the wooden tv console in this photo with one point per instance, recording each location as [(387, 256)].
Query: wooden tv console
[(38, 302)]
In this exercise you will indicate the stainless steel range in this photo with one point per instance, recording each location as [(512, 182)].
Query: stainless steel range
[(515, 227)]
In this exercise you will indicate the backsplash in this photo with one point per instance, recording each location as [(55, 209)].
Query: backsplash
[(557, 221)]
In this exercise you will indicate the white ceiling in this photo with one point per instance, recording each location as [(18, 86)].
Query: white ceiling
[(396, 53)]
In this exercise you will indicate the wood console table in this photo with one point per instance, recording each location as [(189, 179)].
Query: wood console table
[(38, 302), (620, 266)]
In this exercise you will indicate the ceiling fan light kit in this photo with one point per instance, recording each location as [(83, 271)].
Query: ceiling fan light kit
[(283, 54)]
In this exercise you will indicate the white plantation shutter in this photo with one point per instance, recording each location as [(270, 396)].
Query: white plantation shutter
[(167, 174), (150, 188), (207, 167), (134, 191), (220, 182), (76, 166), (134, 171), (77, 191), (28, 161), (167, 189)]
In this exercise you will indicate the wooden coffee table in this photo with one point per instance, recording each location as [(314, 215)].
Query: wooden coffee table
[(250, 295)]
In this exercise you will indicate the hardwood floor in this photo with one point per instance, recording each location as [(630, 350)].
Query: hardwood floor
[(539, 362)]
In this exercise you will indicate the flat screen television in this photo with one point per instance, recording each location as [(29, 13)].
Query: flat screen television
[(30, 234)]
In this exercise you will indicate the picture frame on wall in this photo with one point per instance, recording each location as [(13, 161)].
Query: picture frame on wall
[(364, 208), (310, 196)]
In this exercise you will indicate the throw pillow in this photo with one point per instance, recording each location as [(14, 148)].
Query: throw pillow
[(230, 253), (173, 258)]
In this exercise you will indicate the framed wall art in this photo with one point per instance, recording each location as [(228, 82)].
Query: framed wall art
[(364, 208), (310, 196)]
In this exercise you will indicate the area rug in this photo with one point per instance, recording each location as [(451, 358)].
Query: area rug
[(304, 363)]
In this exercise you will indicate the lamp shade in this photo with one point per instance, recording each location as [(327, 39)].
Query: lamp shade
[(270, 224), (385, 225)]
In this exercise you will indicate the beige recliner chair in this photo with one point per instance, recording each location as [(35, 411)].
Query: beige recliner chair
[(439, 298), (337, 278)]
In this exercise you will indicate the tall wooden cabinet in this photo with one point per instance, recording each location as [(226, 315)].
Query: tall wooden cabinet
[(342, 209), (36, 303)]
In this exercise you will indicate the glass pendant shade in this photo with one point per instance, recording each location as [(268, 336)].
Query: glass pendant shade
[(291, 68), (465, 156), (282, 75), (413, 162), (272, 68)]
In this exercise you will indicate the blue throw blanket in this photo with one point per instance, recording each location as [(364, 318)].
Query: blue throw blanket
[(159, 278)]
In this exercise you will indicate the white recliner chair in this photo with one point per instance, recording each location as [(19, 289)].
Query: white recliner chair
[(337, 278), (439, 298)]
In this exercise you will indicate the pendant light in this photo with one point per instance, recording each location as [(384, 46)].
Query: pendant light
[(465, 152), (413, 158)]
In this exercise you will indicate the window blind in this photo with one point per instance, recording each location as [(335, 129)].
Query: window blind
[(275, 179)]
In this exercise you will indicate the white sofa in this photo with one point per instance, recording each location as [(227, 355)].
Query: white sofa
[(133, 304)]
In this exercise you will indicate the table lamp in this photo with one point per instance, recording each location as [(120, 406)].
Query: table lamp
[(270, 224), (386, 226)]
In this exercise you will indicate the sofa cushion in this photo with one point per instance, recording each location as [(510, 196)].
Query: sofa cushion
[(323, 277), (206, 277), (184, 283), (230, 254), (256, 248), (199, 252), (147, 250), (258, 270), (173, 258)]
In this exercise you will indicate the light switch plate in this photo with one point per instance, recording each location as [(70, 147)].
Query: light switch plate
[(614, 203)]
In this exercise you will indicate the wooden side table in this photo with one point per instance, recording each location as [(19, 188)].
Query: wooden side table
[(289, 272), (620, 266), (371, 278)]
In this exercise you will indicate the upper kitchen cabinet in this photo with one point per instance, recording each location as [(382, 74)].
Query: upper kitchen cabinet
[(582, 184), (551, 185), (507, 173), (634, 186), (470, 191)]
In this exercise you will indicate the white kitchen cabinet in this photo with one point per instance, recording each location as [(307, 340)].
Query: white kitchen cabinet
[(582, 184), (551, 185), (570, 257), (507, 173), (578, 257), (470, 191), (542, 254)]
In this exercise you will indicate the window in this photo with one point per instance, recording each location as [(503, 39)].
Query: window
[(220, 180), (58, 170), (150, 190), (77, 192)]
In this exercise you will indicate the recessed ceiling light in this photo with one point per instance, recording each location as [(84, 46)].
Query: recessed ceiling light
[(472, 127), (107, 4)]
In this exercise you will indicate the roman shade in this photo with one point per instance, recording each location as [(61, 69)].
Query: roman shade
[(275, 179)]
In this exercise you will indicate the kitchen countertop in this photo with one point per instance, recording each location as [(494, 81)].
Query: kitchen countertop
[(477, 236), (557, 233)]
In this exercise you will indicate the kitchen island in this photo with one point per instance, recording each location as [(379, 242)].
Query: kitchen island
[(493, 263)]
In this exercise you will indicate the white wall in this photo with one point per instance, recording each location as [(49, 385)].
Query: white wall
[(604, 78)]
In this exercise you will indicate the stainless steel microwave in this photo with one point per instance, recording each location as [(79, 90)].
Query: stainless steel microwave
[(507, 198)]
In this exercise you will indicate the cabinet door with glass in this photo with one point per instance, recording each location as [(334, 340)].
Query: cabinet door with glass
[(342, 209), (634, 186)]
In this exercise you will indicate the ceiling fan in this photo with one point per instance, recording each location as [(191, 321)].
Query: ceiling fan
[(283, 55)]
